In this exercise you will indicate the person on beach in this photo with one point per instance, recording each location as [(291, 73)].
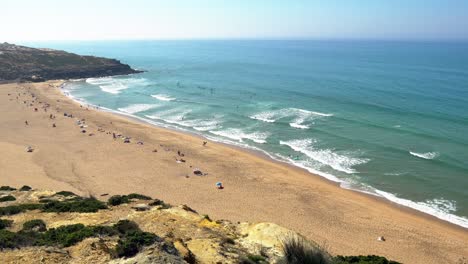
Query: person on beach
[(113, 136), (26, 123), (204, 143)]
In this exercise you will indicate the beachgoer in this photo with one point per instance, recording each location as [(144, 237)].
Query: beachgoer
[(53, 125), (26, 122), (113, 135), (204, 143), (219, 185)]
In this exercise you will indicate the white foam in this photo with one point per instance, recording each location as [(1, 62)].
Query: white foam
[(115, 85), (171, 116), (300, 116), (204, 125), (395, 173), (163, 97), (439, 208), (98, 81), (339, 162), (239, 135), (136, 108), (427, 155), (307, 166)]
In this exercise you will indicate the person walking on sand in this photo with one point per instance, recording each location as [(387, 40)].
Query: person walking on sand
[(26, 123), (113, 136)]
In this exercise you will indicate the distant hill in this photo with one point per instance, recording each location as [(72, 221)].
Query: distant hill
[(19, 63)]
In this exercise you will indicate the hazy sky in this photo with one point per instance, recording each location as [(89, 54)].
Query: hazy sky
[(173, 19)]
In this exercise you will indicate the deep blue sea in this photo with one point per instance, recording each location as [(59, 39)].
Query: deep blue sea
[(387, 118)]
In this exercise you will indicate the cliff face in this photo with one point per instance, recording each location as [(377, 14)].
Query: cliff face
[(19, 63)]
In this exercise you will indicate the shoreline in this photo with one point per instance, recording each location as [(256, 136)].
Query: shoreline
[(257, 189), (331, 179)]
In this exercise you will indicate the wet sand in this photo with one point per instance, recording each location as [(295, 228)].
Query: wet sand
[(256, 189)]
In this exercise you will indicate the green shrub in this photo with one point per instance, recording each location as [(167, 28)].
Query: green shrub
[(120, 199), (133, 242), (4, 223), (157, 202), (66, 193), (7, 188), (86, 205), (16, 209), (7, 198), (131, 238), (105, 230), (126, 226), (25, 188), (297, 250), (46, 200), (138, 196), (16, 240), (256, 258), (117, 200), (7, 239), (65, 235), (35, 224), (371, 259)]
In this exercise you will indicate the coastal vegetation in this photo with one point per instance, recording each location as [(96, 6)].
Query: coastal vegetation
[(30, 64), (7, 198), (125, 238), (81, 205), (25, 188), (120, 199)]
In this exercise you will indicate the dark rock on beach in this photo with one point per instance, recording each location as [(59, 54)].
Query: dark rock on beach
[(19, 63)]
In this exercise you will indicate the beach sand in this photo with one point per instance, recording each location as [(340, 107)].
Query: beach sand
[(256, 188)]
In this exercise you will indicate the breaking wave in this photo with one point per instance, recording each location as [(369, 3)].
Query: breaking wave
[(427, 155), (239, 135), (163, 97), (300, 118), (178, 116), (116, 85), (173, 116), (136, 108), (439, 208), (337, 161)]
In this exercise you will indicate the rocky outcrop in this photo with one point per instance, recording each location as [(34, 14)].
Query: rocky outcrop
[(76, 230), (185, 235), (19, 63)]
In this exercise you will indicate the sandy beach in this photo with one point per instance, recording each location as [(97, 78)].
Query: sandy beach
[(256, 189)]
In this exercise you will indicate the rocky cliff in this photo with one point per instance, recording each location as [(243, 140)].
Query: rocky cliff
[(19, 63)]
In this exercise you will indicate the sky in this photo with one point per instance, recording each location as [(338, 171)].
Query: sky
[(42, 20)]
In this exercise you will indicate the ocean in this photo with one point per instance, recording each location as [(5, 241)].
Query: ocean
[(385, 118)]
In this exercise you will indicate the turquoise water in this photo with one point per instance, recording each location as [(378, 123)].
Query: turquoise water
[(387, 118)]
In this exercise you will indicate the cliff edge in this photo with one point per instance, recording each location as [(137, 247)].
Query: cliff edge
[(20, 63)]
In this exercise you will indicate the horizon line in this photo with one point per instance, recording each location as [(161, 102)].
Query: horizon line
[(246, 38)]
